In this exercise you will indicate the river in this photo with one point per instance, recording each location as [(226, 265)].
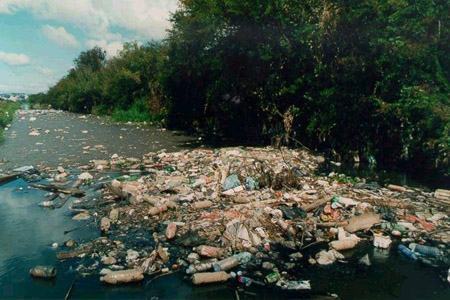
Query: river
[(28, 231), (52, 137)]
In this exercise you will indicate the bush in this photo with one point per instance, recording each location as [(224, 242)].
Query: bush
[(138, 112), (7, 110)]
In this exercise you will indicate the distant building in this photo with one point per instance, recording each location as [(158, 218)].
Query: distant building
[(15, 97)]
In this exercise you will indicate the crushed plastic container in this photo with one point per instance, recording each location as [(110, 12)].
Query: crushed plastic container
[(381, 241), (231, 182), (251, 184), (272, 277), (294, 285)]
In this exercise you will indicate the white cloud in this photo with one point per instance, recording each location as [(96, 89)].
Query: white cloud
[(105, 23), (24, 87), (45, 71), (81, 13), (148, 19), (111, 48), (60, 36), (145, 18), (4, 8), (14, 59)]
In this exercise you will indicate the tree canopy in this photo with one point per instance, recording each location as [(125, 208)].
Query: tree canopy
[(357, 77)]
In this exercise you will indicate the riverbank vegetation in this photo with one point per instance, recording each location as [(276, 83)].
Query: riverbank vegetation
[(366, 79), (7, 109)]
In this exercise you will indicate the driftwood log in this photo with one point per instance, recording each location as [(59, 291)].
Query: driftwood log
[(75, 253), (8, 178), (58, 189)]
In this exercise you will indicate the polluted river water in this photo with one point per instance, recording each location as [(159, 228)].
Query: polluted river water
[(51, 138), (28, 231)]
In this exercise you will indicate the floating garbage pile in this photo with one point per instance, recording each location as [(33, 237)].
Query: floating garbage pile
[(251, 216)]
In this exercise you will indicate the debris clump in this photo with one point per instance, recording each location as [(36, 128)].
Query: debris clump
[(262, 212)]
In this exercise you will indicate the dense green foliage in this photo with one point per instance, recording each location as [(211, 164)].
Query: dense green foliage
[(367, 78), (126, 86), (7, 109)]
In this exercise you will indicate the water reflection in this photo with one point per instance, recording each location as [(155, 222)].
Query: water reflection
[(26, 233)]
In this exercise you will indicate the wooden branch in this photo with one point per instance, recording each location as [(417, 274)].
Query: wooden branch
[(315, 205), (58, 189), (8, 178)]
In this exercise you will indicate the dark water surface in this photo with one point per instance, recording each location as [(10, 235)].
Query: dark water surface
[(27, 230), (424, 179)]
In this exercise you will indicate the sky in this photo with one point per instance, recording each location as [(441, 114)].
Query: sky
[(39, 39)]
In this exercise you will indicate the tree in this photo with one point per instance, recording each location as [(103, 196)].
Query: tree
[(351, 77), (93, 59)]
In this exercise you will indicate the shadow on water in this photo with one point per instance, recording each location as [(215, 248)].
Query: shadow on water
[(413, 178)]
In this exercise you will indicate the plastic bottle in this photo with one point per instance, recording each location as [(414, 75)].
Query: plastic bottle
[(427, 262), (407, 252), (210, 277), (243, 257), (232, 261), (209, 251), (199, 267), (43, 271), (286, 226), (157, 210), (226, 264), (202, 204), (124, 276), (171, 230), (347, 243), (425, 250)]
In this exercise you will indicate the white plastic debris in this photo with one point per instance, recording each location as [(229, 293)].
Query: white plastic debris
[(85, 176), (328, 257), (381, 241), (24, 169), (294, 285)]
